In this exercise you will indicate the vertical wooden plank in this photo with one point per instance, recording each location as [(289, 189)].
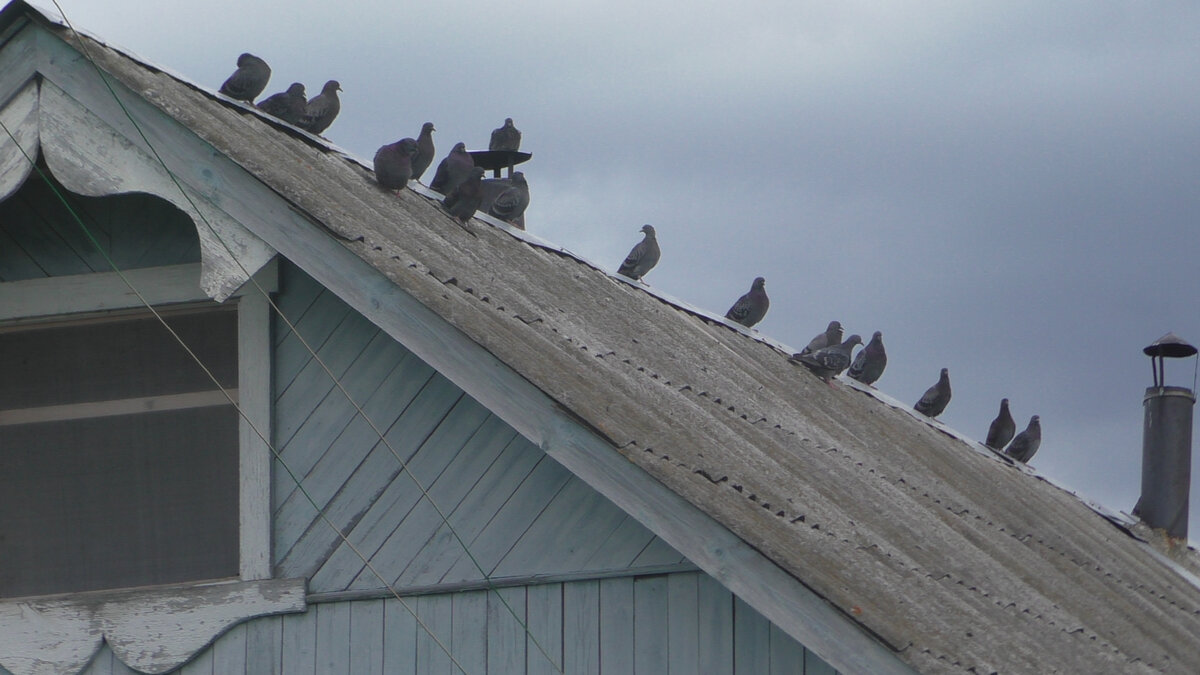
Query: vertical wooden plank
[(751, 640), (333, 637), (581, 628), (715, 607), (264, 645), (366, 637), (650, 616), (300, 643), (468, 639), (399, 637), (229, 651), (787, 655), (254, 463), (616, 625), (506, 638), (543, 615), (813, 665), (201, 664), (683, 623), (433, 638)]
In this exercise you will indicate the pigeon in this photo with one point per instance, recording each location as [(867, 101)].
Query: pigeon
[(510, 204), (936, 398), (506, 137), (424, 155), (642, 257), (453, 170), (871, 360), (322, 108), (751, 307), (286, 105), (831, 336), (249, 80), (828, 362), (1025, 445), (463, 201), (1002, 429), (393, 164)]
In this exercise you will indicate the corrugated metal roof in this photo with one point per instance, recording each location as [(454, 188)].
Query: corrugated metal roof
[(957, 559)]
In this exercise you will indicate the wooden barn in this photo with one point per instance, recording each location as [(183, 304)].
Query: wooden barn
[(396, 446)]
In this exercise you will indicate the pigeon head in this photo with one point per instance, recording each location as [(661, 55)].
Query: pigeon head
[(852, 341), (758, 283), (877, 335), (477, 172), (296, 89), (508, 121), (648, 229), (1035, 421), (459, 147), (428, 126), (330, 87), (246, 59), (1003, 403), (408, 146)]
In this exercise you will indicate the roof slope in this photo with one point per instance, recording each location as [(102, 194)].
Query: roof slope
[(957, 560)]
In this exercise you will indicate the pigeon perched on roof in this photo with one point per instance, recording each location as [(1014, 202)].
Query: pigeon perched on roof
[(454, 169), (393, 163), (751, 307), (828, 362), (832, 335), (1002, 428), (287, 105), (643, 257), (249, 80), (1026, 444), (464, 199), (506, 137), (936, 398), (510, 204), (871, 360), (424, 156), (322, 109)]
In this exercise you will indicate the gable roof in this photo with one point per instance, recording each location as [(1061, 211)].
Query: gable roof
[(948, 557)]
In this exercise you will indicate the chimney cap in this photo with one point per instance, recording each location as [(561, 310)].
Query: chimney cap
[(1170, 346)]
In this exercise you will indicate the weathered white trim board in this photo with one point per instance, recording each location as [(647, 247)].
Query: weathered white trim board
[(153, 630)]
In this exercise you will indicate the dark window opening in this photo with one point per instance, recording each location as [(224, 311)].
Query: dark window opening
[(118, 455)]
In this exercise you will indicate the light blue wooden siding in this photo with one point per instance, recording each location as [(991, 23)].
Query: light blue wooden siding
[(519, 512), (675, 624), (40, 238)]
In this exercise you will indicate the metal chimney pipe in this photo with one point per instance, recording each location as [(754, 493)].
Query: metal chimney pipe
[(1166, 459), (1166, 444)]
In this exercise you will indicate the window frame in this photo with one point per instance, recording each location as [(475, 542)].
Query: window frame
[(88, 295)]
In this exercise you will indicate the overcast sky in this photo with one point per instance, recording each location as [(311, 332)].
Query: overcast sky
[(1006, 189)]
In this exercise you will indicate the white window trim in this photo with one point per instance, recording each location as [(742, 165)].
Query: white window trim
[(53, 298), (158, 628)]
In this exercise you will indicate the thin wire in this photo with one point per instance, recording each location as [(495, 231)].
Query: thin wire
[(403, 465), (241, 413)]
